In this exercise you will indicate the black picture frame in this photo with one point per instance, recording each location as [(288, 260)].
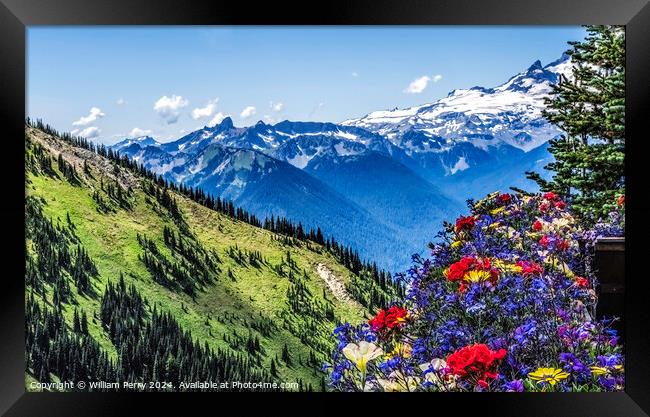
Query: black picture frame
[(16, 15)]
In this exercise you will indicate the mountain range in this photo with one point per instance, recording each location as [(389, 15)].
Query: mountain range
[(382, 183)]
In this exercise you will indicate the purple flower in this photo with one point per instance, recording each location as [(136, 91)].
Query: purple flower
[(515, 386)]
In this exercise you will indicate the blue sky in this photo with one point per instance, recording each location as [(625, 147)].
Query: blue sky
[(110, 82)]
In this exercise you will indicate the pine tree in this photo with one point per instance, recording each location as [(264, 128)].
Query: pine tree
[(588, 170)]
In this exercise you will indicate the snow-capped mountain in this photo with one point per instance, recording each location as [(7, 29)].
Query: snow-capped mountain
[(141, 141), (293, 142), (510, 113), (386, 180), (345, 180), (476, 131)]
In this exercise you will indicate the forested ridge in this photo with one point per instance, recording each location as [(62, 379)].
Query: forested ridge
[(128, 279)]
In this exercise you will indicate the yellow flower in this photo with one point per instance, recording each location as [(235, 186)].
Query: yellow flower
[(506, 267), (497, 210), (456, 244), (598, 370), (554, 262), (360, 354), (401, 349), (550, 375), (476, 276)]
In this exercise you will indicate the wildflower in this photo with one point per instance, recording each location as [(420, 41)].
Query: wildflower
[(398, 382), (529, 268), (621, 200), (598, 370), (549, 375), (477, 362), (544, 241), (456, 244), (562, 245), (392, 318), (360, 354), (550, 196), (477, 276), (515, 386), (504, 198), (465, 223), (516, 293), (401, 350), (582, 282), (507, 267), (457, 270)]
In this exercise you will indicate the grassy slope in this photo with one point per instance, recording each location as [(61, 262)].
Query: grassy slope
[(111, 242)]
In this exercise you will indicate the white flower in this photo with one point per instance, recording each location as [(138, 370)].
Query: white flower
[(360, 354), (397, 382), (434, 374)]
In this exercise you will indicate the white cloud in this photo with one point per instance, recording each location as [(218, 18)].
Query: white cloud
[(88, 133), (95, 113), (355, 74), (418, 85), (218, 118), (136, 132), (269, 119), (206, 111), (248, 112), (169, 107), (120, 101), (276, 107)]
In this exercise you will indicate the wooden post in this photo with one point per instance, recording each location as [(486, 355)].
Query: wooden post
[(610, 271)]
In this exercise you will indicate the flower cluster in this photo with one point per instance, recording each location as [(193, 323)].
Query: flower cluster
[(505, 302), (387, 320)]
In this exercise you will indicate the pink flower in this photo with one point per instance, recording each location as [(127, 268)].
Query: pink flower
[(550, 196), (544, 241)]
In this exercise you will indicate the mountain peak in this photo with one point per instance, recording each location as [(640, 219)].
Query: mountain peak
[(537, 65), (226, 123)]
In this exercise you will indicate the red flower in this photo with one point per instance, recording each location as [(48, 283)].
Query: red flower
[(529, 268), (458, 269), (504, 198), (544, 241), (389, 319), (378, 322), (621, 200), (465, 223), (561, 205), (543, 207), (562, 244), (476, 362), (550, 196), (582, 282), (396, 317), (537, 226)]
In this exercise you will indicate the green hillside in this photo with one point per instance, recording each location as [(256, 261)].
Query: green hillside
[(118, 264)]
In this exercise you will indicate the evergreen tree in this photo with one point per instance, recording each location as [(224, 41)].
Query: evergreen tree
[(589, 107)]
